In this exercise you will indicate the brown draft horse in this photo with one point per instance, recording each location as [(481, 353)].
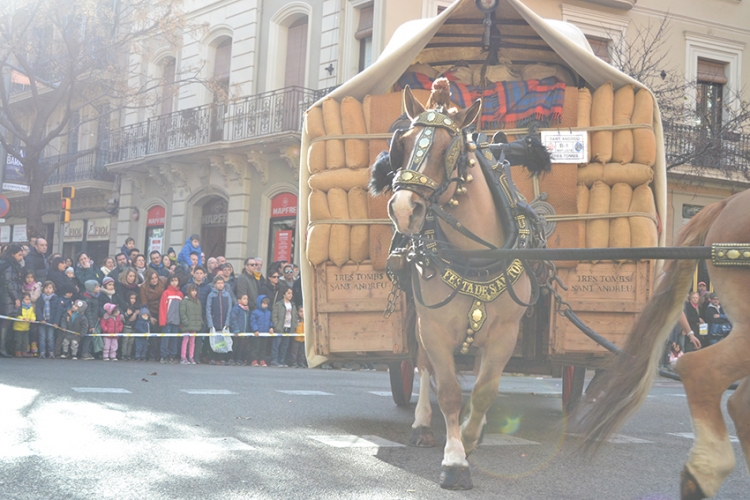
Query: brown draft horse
[(441, 331), (706, 373)]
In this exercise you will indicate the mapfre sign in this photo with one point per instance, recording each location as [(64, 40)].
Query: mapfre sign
[(284, 205)]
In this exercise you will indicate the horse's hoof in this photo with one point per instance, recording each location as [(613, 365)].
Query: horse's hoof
[(689, 487), (422, 437), (456, 478)]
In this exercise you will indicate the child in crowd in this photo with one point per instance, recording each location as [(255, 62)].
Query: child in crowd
[(193, 244), (674, 354), (91, 297), (296, 357), (260, 321), (111, 322), (67, 290), (169, 319), (284, 319), (128, 246), (34, 289), (142, 325), (70, 273), (107, 294), (218, 309), (239, 322), (130, 308), (191, 319), (21, 328), (49, 311), (76, 323)]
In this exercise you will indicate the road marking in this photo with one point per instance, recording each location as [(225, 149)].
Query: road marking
[(207, 391), (504, 440), (619, 439), (306, 393), (198, 446), (109, 390), (352, 441), (388, 394), (690, 435)]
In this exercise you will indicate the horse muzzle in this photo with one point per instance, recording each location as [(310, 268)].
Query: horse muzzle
[(407, 210)]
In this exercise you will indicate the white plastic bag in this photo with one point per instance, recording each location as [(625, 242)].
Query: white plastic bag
[(221, 343)]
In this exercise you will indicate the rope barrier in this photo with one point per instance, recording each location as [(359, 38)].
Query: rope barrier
[(200, 334)]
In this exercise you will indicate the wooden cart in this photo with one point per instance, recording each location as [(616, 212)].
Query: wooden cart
[(346, 304)]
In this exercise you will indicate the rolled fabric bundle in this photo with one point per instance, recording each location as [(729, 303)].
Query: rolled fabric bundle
[(344, 178), (319, 234), (622, 144), (353, 122), (380, 235), (644, 140), (589, 174), (619, 229), (359, 242), (335, 156), (570, 108), (584, 113), (316, 154), (643, 231), (633, 174), (602, 113), (582, 202), (338, 245), (597, 230)]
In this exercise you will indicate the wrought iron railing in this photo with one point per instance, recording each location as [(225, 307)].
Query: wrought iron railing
[(88, 167), (703, 147), (252, 116)]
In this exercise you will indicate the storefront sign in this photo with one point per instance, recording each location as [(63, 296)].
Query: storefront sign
[(73, 231), (282, 248), (15, 178), (98, 230), (156, 216), (5, 234), (566, 147), (19, 233), (215, 213), (284, 205)]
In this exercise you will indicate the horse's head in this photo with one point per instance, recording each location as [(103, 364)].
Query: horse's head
[(425, 159)]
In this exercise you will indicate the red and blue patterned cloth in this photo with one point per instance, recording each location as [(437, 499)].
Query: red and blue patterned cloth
[(504, 104)]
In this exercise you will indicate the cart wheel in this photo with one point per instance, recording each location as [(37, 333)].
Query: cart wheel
[(402, 381), (572, 381)]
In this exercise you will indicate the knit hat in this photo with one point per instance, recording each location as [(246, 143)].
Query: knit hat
[(67, 288), (108, 308), (69, 270), (107, 280), (91, 285), (81, 304)]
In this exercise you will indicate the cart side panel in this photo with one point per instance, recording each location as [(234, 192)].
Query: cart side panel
[(349, 303), (607, 296)]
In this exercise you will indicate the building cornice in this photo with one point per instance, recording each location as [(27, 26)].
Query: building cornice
[(720, 27)]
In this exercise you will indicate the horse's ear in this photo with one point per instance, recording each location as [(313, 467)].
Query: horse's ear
[(466, 117), (412, 106)]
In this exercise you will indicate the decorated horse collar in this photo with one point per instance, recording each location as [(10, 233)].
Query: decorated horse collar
[(436, 118)]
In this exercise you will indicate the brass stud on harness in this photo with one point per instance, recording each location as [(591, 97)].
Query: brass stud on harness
[(453, 202), (472, 146), (472, 162), (469, 178)]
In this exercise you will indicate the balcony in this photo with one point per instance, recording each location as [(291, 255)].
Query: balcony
[(703, 148), (250, 117), (89, 167)]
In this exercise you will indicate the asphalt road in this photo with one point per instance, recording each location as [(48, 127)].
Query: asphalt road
[(211, 432)]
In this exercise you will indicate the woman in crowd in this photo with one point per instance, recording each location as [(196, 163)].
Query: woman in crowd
[(10, 296), (693, 316), (139, 263), (109, 266), (85, 270)]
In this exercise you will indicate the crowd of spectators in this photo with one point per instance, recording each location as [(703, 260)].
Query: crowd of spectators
[(53, 307)]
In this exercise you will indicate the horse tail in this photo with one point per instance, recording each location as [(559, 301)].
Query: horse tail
[(628, 381)]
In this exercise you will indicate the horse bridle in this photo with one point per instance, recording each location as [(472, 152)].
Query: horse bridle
[(410, 177)]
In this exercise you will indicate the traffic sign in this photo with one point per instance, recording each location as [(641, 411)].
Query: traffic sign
[(4, 206)]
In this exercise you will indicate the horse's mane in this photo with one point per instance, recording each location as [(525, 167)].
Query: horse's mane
[(440, 95)]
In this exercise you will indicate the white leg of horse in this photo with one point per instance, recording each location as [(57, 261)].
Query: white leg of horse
[(494, 359), (711, 457), (739, 409), (421, 435)]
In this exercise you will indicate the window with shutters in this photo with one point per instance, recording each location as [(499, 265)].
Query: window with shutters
[(167, 85), (600, 46), (709, 93), (363, 35), (296, 53), (222, 68)]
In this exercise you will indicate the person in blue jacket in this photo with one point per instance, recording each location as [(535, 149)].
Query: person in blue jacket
[(218, 309), (260, 322), (239, 322), (49, 311), (193, 244)]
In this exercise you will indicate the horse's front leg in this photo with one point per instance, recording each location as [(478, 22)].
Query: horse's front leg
[(455, 474), (421, 433), (495, 356)]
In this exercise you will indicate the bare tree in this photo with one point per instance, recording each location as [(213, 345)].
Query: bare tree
[(77, 65), (694, 137)]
